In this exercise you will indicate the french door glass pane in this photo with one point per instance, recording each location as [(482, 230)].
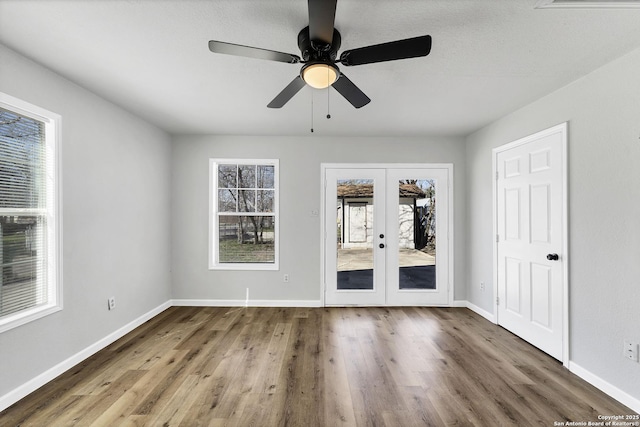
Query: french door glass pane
[(355, 234), (417, 233)]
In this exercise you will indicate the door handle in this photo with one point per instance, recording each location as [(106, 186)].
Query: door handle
[(553, 257), (381, 245)]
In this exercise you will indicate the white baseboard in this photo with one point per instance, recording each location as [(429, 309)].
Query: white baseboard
[(207, 303), (611, 390), (243, 303), (37, 382), (482, 312)]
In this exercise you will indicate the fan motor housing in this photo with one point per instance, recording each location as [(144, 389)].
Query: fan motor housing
[(318, 51)]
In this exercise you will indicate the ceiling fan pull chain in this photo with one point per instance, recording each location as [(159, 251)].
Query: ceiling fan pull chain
[(328, 87), (311, 111)]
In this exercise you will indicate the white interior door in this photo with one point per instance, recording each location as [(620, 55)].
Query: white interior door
[(531, 247), (386, 239)]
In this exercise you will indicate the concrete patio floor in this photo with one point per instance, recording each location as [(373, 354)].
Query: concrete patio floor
[(362, 259)]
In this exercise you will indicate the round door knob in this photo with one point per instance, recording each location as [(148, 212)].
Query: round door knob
[(382, 236), (553, 257), (381, 245)]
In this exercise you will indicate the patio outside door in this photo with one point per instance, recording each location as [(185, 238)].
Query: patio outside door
[(386, 235)]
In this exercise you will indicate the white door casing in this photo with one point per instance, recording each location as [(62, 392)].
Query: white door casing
[(531, 217)]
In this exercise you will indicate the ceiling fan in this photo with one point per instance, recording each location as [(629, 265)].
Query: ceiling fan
[(319, 44)]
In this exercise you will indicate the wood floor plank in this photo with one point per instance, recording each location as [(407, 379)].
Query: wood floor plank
[(125, 406), (448, 411), (218, 396), (419, 409), (267, 381), (302, 375), (94, 405), (175, 410), (162, 392), (338, 409), (51, 394), (220, 366)]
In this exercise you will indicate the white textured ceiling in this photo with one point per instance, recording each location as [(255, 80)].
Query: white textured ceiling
[(489, 57)]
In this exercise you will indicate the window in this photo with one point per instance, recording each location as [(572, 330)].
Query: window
[(244, 214), (29, 280)]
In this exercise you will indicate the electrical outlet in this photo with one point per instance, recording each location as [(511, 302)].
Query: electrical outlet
[(285, 278), (482, 287), (111, 303), (631, 350)]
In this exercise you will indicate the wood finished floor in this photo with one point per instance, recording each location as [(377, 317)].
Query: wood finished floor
[(194, 366)]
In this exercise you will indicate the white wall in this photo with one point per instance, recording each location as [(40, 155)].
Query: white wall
[(603, 111), (300, 159), (116, 179)]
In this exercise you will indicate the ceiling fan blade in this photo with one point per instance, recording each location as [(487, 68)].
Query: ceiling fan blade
[(287, 93), (351, 92), (391, 51), (252, 52), (322, 15)]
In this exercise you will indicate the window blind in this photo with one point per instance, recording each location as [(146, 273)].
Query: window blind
[(23, 214)]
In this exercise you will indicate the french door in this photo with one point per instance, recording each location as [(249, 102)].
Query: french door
[(386, 235)]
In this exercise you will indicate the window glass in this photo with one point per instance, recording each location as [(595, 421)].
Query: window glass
[(247, 176), (227, 176)]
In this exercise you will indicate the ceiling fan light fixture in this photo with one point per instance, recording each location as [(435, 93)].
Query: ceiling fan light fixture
[(320, 75)]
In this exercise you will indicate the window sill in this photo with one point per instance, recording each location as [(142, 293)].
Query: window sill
[(27, 316), (244, 267)]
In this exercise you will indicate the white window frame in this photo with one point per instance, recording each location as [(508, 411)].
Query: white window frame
[(53, 237), (214, 263)]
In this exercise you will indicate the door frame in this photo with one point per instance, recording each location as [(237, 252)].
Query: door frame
[(450, 215), (561, 128)]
